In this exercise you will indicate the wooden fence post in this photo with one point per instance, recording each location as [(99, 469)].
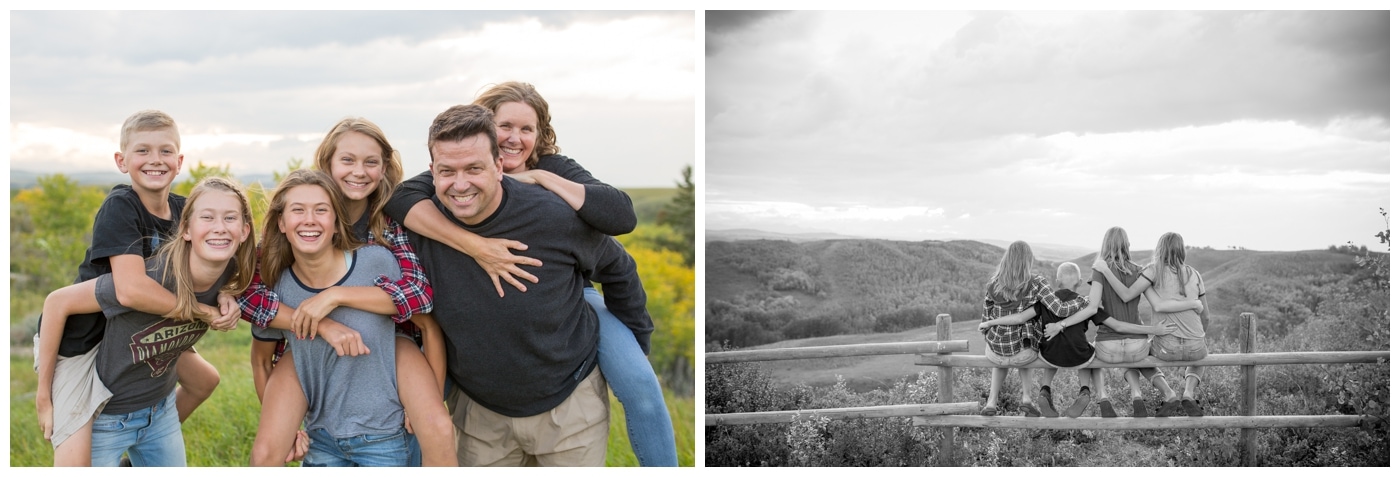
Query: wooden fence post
[(944, 332), (1248, 393)]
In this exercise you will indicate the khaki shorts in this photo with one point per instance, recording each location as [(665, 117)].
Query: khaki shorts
[(1020, 359), (1172, 348), (573, 434), (77, 393), (1122, 351)]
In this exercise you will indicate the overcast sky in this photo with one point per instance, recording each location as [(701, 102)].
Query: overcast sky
[(253, 89), (1268, 130)]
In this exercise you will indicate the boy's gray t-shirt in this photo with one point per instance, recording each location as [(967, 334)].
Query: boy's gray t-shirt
[(136, 360), (347, 396)]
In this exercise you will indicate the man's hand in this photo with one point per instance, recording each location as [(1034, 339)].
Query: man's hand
[(344, 339)]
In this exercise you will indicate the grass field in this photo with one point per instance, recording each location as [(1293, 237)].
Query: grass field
[(221, 432)]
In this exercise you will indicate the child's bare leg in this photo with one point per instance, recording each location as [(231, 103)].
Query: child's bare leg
[(1045, 399), (283, 408), (1192, 380), (1159, 381), (421, 396), (76, 451), (1026, 383), (197, 380), (998, 375), (1047, 376), (1099, 384), (1134, 382)]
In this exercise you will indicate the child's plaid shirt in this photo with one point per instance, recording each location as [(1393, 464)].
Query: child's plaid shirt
[(1007, 340)]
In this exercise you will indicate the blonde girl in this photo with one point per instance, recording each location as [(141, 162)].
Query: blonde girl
[(124, 399), (1177, 295)]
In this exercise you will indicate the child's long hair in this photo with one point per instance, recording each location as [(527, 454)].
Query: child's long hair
[(1114, 250), (276, 250), (175, 253), (1170, 255), (393, 169), (1013, 273)]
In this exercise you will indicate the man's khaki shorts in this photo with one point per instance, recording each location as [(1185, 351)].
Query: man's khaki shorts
[(573, 434)]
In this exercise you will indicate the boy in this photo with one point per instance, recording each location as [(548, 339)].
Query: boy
[(129, 227), (1066, 346)]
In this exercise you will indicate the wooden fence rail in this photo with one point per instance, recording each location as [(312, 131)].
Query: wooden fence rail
[(942, 414)]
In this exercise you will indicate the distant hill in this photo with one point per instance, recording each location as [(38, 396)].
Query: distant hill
[(1053, 252), (1048, 251), (761, 291)]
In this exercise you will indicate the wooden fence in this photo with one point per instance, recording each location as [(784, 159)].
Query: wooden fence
[(949, 415)]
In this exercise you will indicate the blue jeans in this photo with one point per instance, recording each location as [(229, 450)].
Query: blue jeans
[(634, 383), (385, 450), (150, 437)]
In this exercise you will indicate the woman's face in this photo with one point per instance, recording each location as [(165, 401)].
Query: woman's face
[(216, 227), (517, 127), (357, 165), (308, 219)]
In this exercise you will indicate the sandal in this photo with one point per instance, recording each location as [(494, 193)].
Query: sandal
[(1080, 403), (1047, 409), (1028, 410), (1139, 408), (989, 410)]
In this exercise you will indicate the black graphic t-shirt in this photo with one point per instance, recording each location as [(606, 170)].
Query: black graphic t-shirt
[(136, 360)]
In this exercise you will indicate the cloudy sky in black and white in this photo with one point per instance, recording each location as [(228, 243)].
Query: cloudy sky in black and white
[(251, 89), (1267, 130)]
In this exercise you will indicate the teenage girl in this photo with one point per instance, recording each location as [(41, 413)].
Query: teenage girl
[(126, 400), (1177, 295), (529, 154), (365, 168)]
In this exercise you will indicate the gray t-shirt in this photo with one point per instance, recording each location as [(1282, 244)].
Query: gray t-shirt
[(351, 395), (136, 360)]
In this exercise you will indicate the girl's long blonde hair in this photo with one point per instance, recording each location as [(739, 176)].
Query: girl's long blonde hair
[(276, 250), (175, 253), (1170, 255), (393, 169), (1013, 274), (1114, 250)]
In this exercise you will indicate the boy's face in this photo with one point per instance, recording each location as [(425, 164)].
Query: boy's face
[(152, 159)]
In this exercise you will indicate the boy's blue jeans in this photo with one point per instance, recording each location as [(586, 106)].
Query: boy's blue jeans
[(632, 380), (387, 450), (150, 437)]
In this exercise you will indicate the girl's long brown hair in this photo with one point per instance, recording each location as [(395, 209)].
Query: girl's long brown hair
[(175, 253), (393, 170), (1013, 273), (276, 250)]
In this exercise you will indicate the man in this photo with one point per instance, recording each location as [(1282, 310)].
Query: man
[(527, 391)]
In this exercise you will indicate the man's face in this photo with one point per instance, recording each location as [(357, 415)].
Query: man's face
[(467, 178)]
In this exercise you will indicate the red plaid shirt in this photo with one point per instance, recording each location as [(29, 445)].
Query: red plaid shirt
[(411, 293), (1007, 340)]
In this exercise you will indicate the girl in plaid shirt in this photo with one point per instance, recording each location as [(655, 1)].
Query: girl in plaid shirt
[(357, 154), (1008, 321)]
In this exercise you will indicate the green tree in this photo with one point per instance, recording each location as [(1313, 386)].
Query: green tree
[(679, 214), (50, 228)]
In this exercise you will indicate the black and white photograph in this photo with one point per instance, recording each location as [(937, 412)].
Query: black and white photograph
[(1060, 238)]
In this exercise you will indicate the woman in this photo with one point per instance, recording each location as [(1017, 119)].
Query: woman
[(1177, 296), (134, 390), (353, 414), (529, 154), (365, 168)]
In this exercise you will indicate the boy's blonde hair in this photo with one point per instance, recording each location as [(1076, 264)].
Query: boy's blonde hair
[(1067, 276), (148, 120)]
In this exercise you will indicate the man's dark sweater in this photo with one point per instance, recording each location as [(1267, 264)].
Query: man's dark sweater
[(523, 354)]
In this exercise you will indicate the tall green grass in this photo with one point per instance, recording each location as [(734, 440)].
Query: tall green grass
[(221, 432)]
